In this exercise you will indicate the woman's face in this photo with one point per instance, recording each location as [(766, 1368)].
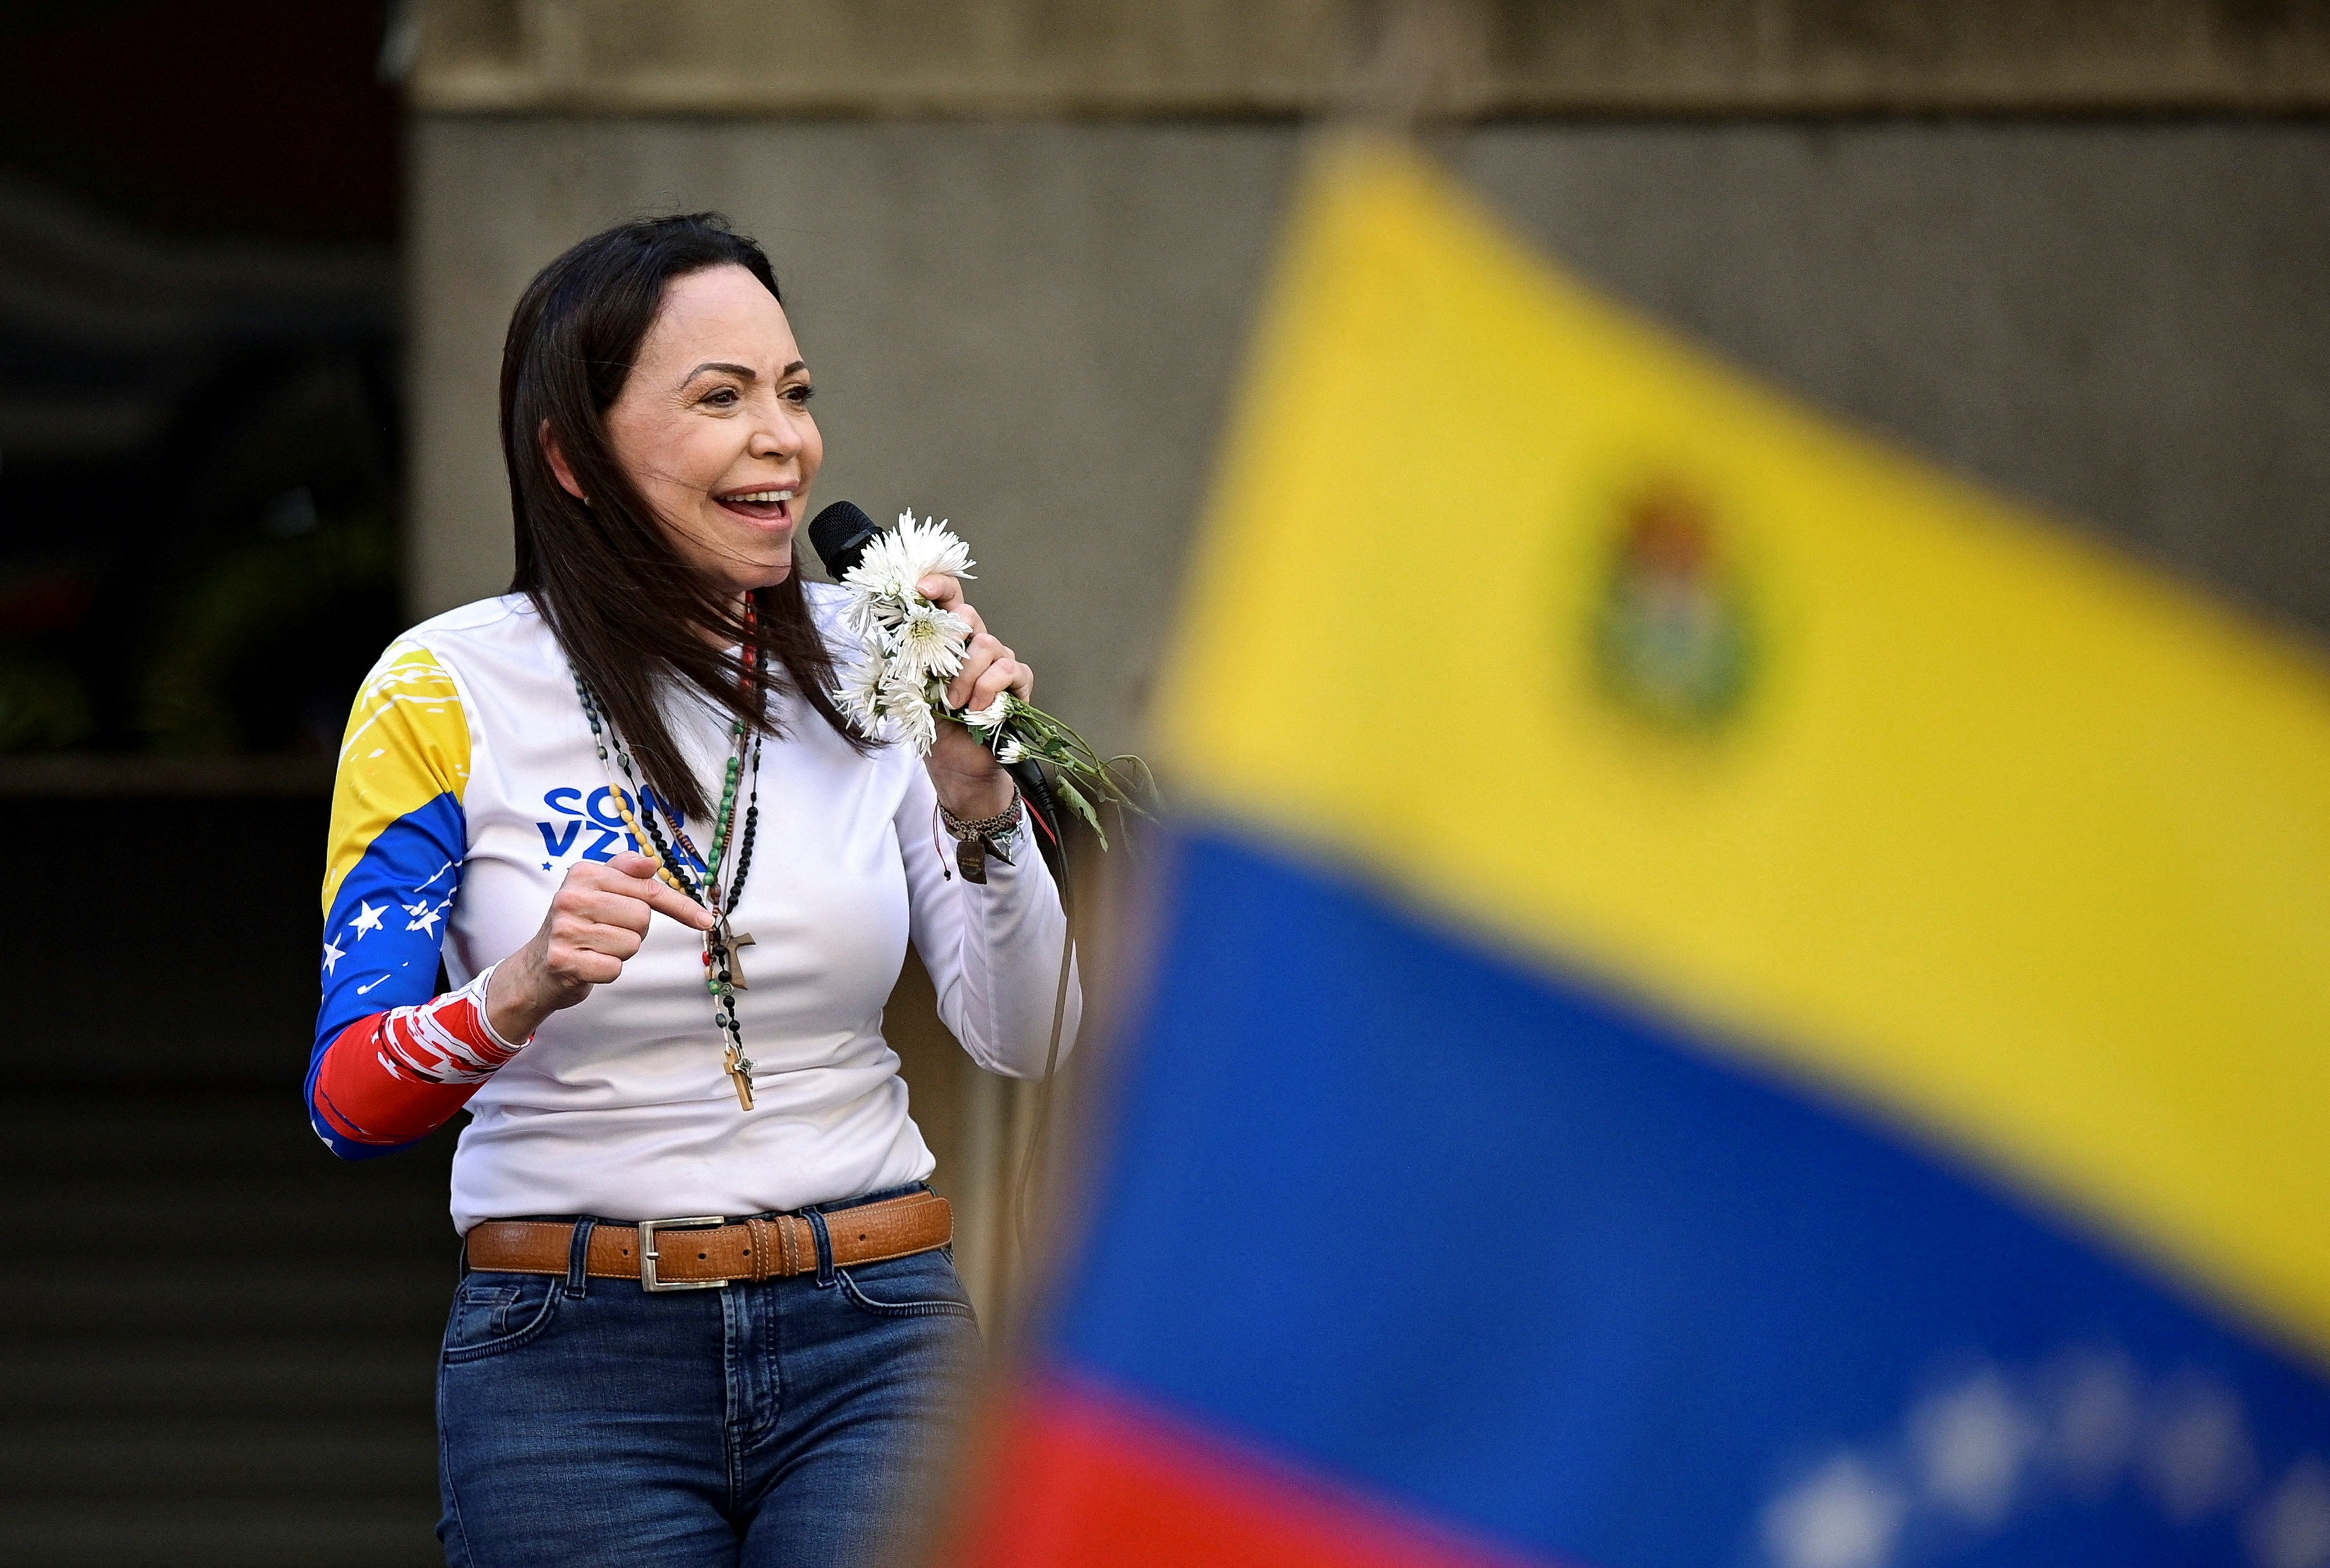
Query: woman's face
[(714, 427)]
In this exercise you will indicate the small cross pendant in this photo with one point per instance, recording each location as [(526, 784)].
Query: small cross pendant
[(740, 1074), (735, 942)]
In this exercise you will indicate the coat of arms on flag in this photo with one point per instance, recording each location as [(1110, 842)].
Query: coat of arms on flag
[(1673, 628), (1893, 1135)]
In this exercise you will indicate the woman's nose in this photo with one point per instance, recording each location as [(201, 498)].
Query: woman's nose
[(774, 437)]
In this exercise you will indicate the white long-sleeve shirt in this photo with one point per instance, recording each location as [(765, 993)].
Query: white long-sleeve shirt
[(471, 784)]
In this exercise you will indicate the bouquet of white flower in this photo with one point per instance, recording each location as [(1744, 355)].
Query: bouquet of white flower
[(896, 689)]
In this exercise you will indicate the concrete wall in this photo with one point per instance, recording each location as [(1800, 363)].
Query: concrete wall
[(2128, 324), (1027, 329), (1149, 57), (1033, 328)]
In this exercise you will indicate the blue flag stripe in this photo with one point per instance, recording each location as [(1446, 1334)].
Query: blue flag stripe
[(1535, 1263)]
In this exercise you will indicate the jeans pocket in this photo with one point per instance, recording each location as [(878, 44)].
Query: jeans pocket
[(919, 1285), (493, 1313)]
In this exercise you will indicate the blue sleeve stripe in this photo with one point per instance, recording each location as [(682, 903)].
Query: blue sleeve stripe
[(345, 1148), (386, 928)]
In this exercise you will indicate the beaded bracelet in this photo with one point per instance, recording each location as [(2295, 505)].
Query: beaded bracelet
[(975, 841), (994, 826)]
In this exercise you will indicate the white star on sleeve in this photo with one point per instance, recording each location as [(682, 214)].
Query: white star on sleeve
[(424, 918), (367, 918), (332, 956)]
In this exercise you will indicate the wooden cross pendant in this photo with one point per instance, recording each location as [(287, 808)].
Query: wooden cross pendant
[(740, 1074), (735, 942)]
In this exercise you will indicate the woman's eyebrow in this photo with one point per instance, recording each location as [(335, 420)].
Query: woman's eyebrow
[(741, 372)]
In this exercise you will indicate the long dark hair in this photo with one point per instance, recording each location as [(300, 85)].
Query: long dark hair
[(634, 621)]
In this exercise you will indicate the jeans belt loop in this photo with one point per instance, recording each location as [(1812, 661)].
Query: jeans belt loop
[(578, 1258), (824, 1247)]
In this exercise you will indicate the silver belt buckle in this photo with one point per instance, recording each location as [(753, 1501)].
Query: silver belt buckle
[(647, 1228)]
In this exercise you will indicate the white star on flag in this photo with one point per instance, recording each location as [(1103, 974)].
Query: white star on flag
[(367, 918), (1844, 1516), (332, 956), (424, 918)]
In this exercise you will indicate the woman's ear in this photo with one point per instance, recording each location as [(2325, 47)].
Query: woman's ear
[(550, 450)]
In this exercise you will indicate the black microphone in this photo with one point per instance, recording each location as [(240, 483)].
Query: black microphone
[(841, 533)]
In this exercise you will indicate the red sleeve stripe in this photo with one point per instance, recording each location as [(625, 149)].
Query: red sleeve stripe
[(444, 1040), (399, 1075)]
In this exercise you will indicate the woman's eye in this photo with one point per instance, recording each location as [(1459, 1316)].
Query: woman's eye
[(721, 397), (800, 395)]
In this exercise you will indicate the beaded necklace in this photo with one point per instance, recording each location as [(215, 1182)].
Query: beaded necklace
[(723, 970)]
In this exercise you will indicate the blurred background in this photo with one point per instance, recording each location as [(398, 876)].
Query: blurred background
[(256, 258)]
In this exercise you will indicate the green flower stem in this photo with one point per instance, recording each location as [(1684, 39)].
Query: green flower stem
[(1085, 779)]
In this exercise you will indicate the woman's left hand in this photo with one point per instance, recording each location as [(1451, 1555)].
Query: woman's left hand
[(970, 782)]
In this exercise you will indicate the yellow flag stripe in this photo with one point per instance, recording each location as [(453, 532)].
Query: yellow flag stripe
[(2027, 847), (407, 743)]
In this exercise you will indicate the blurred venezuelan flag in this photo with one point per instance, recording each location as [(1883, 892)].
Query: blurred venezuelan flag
[(1723, 1000)]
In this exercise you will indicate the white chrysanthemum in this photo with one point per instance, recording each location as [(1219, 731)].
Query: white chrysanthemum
[(991, 715), (871, 616), (1010, 751), (930, 641), (907, 703), (859, 695), (926, 547), (877, 575), (894, 561)]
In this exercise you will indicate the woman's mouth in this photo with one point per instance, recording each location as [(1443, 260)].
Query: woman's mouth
[(762, 507)]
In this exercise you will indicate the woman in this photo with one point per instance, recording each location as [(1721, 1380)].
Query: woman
[(709, 1311)]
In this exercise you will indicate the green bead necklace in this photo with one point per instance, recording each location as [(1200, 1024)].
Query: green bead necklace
[(723, 960)]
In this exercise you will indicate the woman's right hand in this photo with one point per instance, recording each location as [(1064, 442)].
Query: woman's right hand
[(598, 918)]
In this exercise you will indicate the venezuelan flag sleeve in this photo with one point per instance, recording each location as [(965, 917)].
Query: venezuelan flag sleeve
[(1723, 1000), (398, 839)]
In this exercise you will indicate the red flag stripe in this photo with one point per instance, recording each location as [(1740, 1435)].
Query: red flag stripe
[(1086, 1476)]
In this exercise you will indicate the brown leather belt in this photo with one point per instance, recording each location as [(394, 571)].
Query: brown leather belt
[(707, 1251)]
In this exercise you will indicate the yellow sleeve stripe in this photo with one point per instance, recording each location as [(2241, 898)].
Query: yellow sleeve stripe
[(407, 743), (1892, 786)]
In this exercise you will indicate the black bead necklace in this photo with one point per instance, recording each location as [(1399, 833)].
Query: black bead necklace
[(724, 973)]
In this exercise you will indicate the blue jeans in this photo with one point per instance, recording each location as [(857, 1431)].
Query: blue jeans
[(790, 1421)]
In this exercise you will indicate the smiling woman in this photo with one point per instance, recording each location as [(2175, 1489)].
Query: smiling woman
[(723, 449), (645, 1120), (631, 448)]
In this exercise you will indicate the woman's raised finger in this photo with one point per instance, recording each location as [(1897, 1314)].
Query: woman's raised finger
[(633, 876)]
